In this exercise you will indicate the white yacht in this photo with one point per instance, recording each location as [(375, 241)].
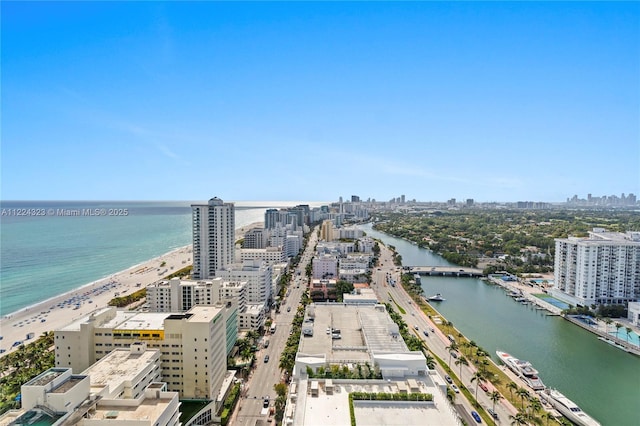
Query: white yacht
[(568, 408), (523, 369)]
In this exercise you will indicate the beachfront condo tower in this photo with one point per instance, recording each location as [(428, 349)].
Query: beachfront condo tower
[(213, 237)]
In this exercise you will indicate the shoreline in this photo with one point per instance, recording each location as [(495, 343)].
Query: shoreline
[(57, 311)]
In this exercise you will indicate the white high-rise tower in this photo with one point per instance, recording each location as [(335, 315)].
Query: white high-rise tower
[(213, 237)]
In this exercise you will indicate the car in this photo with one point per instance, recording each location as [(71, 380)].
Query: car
[(416, 327), (266, 358), (483, 387), (265, 402), (336, 336), (476, 416), (425, 333), (289, 309), (455, 388), (328, 330), (454, 355), (448, 379), (492, 413)]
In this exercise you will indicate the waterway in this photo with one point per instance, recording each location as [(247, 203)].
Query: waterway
[(602, 380)]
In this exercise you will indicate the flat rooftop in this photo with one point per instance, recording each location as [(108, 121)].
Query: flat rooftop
[(149, 410), (203, 313), (45, 378), (75, 325), (332, 409), (363, 330), (120, 365)]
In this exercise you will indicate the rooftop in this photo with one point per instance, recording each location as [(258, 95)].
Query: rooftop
[(363, 330), (332, 408), (149, 410), (120, 365)]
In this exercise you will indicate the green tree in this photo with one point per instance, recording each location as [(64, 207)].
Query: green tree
[(512, 386), (461, 361), (519, 419), (343, 287), (495, 396), (478, 377), (522, 393)]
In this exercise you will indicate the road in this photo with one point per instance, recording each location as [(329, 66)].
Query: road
[(264, 376), (437, 342)]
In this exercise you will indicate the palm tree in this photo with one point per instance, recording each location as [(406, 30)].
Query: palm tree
[(547, 416), (629, 330), (618, 327), (431, 361), (519, 419), (452, 347), (465, 345), (512, 386), (522, 393), (495, 396), (608, 322), (478, 377), (461, 361)]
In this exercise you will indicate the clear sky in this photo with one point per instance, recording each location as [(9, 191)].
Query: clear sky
[(310, 101)]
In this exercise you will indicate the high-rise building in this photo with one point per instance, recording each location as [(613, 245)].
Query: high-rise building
[(326, 231), (213, 237), (601, 269)]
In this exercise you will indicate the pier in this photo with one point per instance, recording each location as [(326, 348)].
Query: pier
[(445, 271)]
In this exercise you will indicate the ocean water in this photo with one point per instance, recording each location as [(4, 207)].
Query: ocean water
[(44, 253)]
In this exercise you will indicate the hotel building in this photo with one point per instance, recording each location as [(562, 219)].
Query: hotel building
[(603, 268), (213, 237), (192, 345)]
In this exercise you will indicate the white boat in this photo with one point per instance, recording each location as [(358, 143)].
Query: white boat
[(568, 408), (437, 298), (523, 369), (613, 343)]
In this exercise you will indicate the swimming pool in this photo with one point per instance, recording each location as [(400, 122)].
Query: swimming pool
[(621, 334)]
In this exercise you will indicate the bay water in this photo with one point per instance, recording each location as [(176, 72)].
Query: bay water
[(602, 380)]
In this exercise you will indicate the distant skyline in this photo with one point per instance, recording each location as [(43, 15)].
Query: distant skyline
[(515, 101)]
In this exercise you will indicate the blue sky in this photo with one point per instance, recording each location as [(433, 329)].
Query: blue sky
[(311, 101)]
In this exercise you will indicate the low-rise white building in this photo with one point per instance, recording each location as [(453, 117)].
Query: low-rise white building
[(362, 338), (634, 313), (270, 255)]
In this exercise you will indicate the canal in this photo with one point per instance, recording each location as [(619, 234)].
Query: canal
[(602, 380)]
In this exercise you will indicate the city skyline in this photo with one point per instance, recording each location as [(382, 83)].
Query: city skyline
[(498, 102)]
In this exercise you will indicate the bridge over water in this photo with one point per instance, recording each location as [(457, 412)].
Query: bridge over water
[(446, 271)]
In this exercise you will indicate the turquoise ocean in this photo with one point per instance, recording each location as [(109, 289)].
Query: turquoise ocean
[(44, 253)]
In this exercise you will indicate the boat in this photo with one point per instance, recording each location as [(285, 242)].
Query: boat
[(613, 343), (568, 408), (523, 369), (437, 298)]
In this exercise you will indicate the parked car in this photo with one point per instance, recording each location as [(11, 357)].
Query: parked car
[(483, 387), (455, 388), (476, 417)]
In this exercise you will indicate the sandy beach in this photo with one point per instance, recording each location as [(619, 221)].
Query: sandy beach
[(60, 310)]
